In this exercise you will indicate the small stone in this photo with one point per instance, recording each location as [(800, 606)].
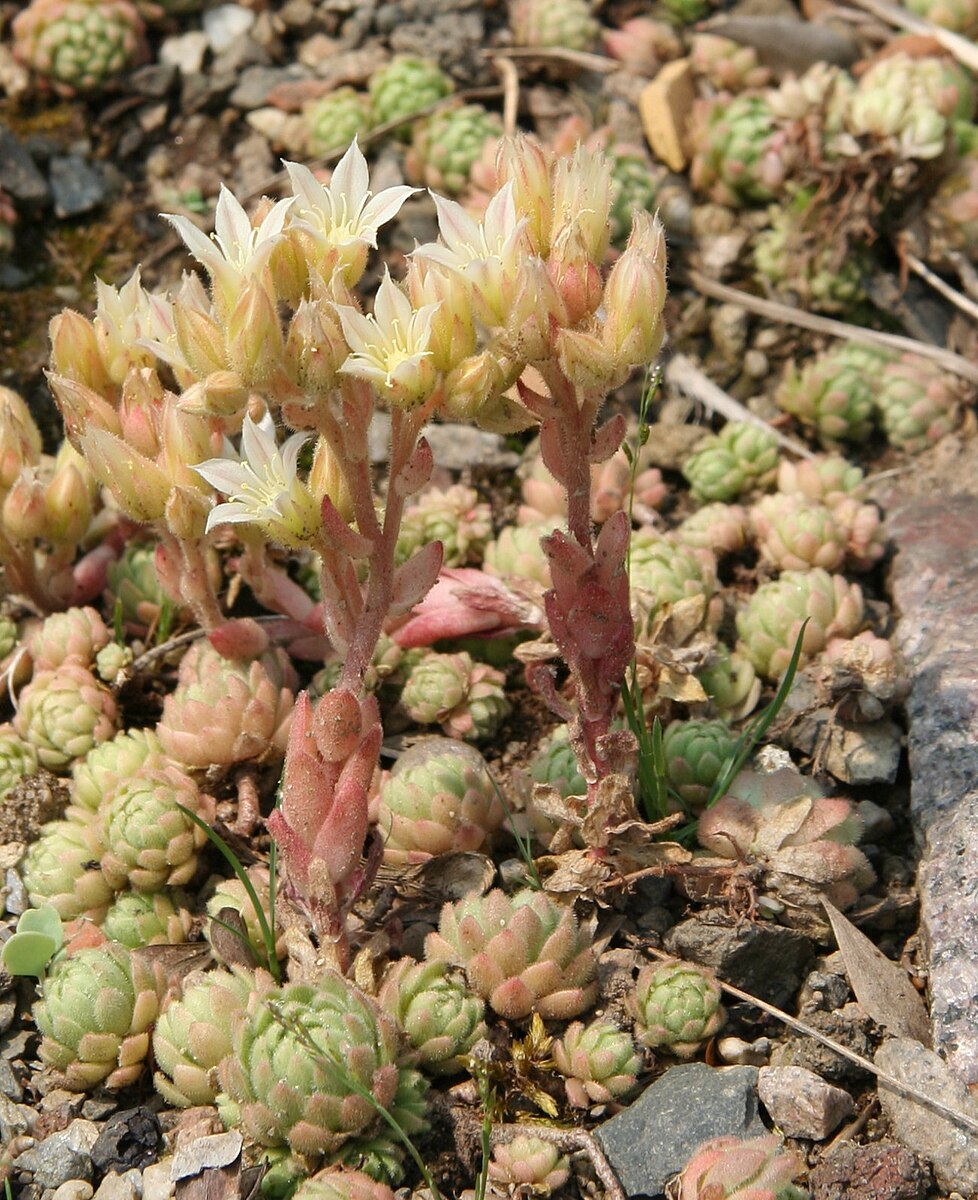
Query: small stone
[(10, 1085), (153, 80), (664, 105), (225, 23), (20, 175), (950, 1149), (801, 1103), (74, 1189), (65, 1155), (848, 1025), (655, 1136), (877, 821), (879, 1171), (185, 52), (864, 754), (131, 1138), (157, 1184), (77, 185), (218, 1150), (741, 953), (737, 1052), (15, 1120), (256, 83), (119, 1187)]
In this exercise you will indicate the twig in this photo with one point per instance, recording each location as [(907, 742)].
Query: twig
[(577, 58), (567, 1140), (505, 68), (964, 303), (683, 374), (891, 1081), (961, 48), (954, 363), (856, 1125)]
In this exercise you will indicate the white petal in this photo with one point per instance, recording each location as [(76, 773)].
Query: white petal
[(305, 186), (231, 226), (351, 178), (228, 514), (274, 220), (391, 305), (500, 217), (220, 474), (259, 449), (458, 229), (199, 244), (359, 331), (385, 205), (291, 449)]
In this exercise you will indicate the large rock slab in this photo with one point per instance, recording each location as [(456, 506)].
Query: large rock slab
[(934, 583)]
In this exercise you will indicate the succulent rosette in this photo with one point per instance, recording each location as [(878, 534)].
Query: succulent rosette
[(834, 393), (792, 257), (695, 753), (302, 1060), (77, 634), (150, 842), (439, 1017), (64, 713), (741, 457), (741, 154), (58, 869), (137, 919), (193, 1034), (79, 45), (566, 23), (517, 554), (529, 1162), (825, 479), (555, 764), (918, 403), (465, 698), (730, 681), (339, 1184), (717, 527), (334, 120), (732, 1168), (447, 144), (726, 65), (793, 534), (17, 759), (676, 1007), (96, 1011), (772, 620), (456, 517), (135, 585), (404, 86), (668, 571), (523, 954), (96, 776), (439, 797), (599, 1062), (225, 710), (231, 893)]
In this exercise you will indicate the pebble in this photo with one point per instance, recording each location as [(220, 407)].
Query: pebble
[(77, 185), (863, 754), (10, 1085), (185, 52), (741, 952), (737, 1052), (848, 1025), (65, 1155), (15, 1120), (225, 23), (256, 83), (951, 1149), (880, 1171), (654, 1137), (20, 175), (131, 1138), (128, 1186), (74, 1189), (801, 1103), (157, 1184)]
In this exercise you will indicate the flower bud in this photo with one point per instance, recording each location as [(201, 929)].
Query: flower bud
[(582, 197), (221, 394), (315, 348), (20, 439), (524, 161), (577, 279), (75, 351), (586, 362), (81, 408), (186, 514), (471, 385), (68, 505), (326, 478), (137, 484), (186, 440), (535, 309), (200, 338), (24, 511), (453, 333), (139, 412), (254, 336), (634, 296)]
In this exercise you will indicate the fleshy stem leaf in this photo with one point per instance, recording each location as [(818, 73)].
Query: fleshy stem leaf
[(267, 933)]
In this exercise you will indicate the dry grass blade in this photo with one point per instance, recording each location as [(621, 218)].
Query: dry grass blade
[(882, 987), (785, 313), (505, 68), (965, 51), (576, 58), (964, 303), (952, 1114), (682, 373)]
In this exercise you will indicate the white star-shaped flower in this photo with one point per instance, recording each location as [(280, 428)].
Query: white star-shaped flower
[(262, 486)]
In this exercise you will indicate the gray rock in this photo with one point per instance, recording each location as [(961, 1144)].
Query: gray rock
[(933, 584), (801, 1103), (77, 185), (20, 174), (654, 1137), (455, 447), (65, 1155), (154, 80), (849, 1026), (741, 953), (15, 1120), (951, 1149), (157, 1184), (257, 82), (217, 1150), (10, 1085)]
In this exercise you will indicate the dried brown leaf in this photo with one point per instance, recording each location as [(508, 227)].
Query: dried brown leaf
[(882, 987)]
